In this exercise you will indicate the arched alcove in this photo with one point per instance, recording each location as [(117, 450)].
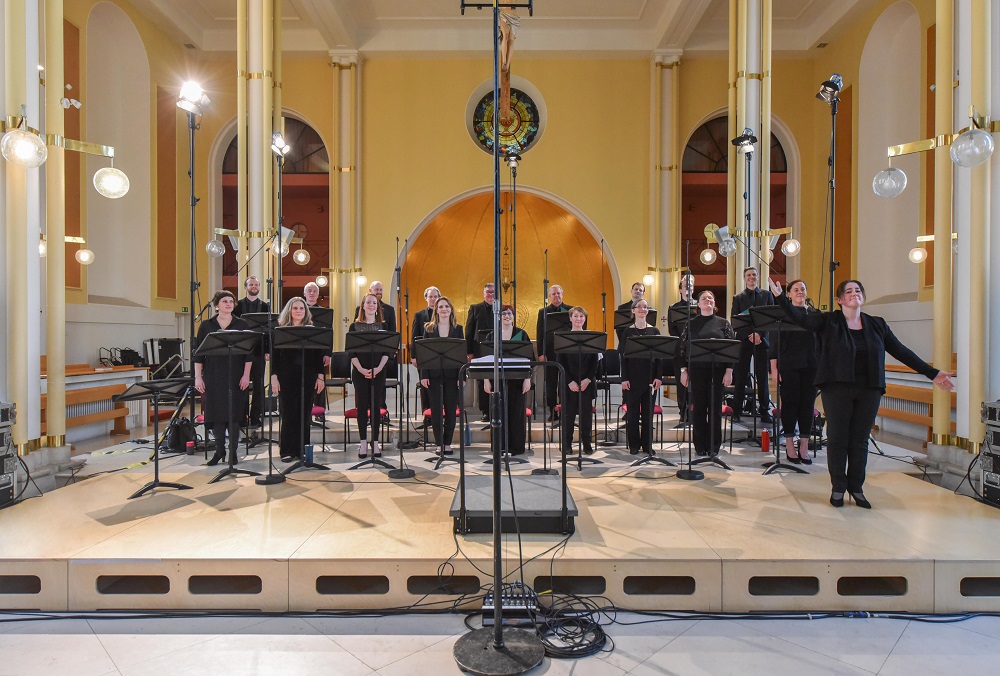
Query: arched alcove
[(704, 178), (453, 250), (118, 113), (890, 103), (305, 202)]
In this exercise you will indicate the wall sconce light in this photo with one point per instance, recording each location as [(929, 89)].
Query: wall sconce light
[(791, 247), (215, 248), (918, 254), (85, 256), (22, 145), (890, 182), (973, 146), (707, 256), (360, 280), (648, 279), (322, 281), (301, 257), (111, 182)]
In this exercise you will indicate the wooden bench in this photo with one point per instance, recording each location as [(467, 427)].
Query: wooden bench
[(90, 395)]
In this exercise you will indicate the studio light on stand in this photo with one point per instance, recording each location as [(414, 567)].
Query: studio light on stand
[(513, 160), (829, 93), (193, 101), (280, 148), (727, 243), (745, 144)]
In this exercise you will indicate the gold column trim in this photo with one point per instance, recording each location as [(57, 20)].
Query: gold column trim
[(55, 441), (668, 66), (277, 85), (732, 85), (79, 146), (755, 76), (240, 72), (342, 66), (28, 447), (343, 170), (671, 167)]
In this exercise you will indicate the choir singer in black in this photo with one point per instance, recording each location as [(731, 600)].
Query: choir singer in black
[(640, 381)]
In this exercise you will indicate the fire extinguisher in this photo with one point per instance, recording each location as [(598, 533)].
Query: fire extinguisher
[(765, 441)]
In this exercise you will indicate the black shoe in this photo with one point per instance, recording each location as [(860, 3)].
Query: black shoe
[(737, 418), (484, 417), (795, 461), (806, 460), (701, 454), (766, 417), (835, 501), (633, 451), (216, 459), (287, 458), (714, 453), (649, 451), (588, 449), (860, 501)]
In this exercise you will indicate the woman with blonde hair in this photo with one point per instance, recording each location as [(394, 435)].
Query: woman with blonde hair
[(442, 384)]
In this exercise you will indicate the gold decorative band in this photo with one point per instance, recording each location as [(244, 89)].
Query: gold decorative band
[(277, 85), (252, 234), (28, 447), (754, 76), (55, 441), (345, 271), (670, 167), (79, 146), (342, 66), (930, 238), (343, 170), (240, 72), (255, 76), (668, 66)]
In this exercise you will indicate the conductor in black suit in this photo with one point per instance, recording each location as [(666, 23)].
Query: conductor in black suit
[(250, 304), (752, 344), (480, 318)]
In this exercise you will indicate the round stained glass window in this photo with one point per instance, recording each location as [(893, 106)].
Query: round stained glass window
[(522, 131)]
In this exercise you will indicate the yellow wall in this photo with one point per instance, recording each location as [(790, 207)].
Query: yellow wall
[(593, 154)]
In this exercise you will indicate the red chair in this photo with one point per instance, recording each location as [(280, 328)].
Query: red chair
[(352, 414)]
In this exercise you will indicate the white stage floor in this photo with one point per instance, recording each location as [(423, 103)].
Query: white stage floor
[(735, 541)]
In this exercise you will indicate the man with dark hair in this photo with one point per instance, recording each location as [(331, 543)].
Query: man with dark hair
[(752, 345), (480, 319), (638, 291), (546, 346), (249, 304)]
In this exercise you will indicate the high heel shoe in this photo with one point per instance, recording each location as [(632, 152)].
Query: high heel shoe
[(219, 455), (804, 454), (860, 501), (376, 451), (837, 501), (795, 461), (363, 450)]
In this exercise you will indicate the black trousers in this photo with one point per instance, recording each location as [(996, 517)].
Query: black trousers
[(482, 399), (551, 387), (363, 399), (574, 404), (296, 416), (639, 417), (683, 404), (706, 408), (443, 395), (219, 430), (255, 408), (850, 415), (742, 371), (798, 400), (514, 418)]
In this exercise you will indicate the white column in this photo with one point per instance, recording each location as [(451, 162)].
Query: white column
[(258, 122), (345, 220), (666, 228)]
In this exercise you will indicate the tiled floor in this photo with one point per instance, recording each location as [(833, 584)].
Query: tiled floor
[(412, 644)]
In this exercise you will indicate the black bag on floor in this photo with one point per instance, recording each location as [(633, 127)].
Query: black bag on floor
[(179, 433)]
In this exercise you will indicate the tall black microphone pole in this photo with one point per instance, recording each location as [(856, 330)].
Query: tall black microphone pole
[(545, 469), (192, 127), (687, 473)]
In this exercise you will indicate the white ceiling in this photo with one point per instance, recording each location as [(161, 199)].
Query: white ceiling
[(400, 26)]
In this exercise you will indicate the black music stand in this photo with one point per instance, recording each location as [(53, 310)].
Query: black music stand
[(650, 348), (302, 338), (518, 370), (152, 390), (776, 319), (554, 322), (739, 323), (261, 323), (677, 319), (711, 351), (439, 354), (580, 343), (228, 343), (374, 343)]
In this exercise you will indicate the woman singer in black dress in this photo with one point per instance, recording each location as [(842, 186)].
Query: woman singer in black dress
[(705, 384), (796, 379), (640, 381), (850, 373), (295, 376), (441, 385), (368, 374), (223, 380), (514, 390), (578, 395)]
